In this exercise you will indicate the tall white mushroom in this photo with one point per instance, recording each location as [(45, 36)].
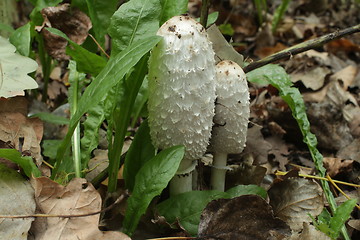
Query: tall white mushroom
[(231, 118), (182, 93)]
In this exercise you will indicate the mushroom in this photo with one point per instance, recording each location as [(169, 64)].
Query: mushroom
[(231, 118), (182, 93)]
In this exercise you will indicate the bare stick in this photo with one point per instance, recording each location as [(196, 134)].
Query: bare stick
[(119, 199), (302, 47)]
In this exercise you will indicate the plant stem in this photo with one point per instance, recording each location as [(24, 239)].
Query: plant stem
[(218, 172), (204, 12), (45, 65), (182, 181), (301, 47)]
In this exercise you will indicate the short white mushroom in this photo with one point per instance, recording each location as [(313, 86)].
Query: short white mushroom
[(182, 93), (231, 118)]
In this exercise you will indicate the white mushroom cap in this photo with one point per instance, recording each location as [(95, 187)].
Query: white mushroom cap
[(182, 87), (231, 110)]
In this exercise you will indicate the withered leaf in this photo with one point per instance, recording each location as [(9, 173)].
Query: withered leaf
[(294, 199), (248, 217), (74, 23)]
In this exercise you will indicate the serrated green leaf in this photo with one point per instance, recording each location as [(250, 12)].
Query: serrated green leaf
[(112, 74), (51, 118), (247, 190), (152, 178), (172, 8), (134, 21), (13, 71), (21, 39), (25, 162), (140, 151)]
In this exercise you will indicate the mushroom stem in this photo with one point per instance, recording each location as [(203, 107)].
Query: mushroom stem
[(180, 184), (218, 171)]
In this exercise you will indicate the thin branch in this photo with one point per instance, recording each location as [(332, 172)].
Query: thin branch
[(302, 47), (119, 199)]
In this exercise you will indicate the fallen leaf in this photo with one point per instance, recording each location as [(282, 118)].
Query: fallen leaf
[(13, 71), (74, 23), (309, 232), (16, 198), (248, 217), (313, 78), (294, 199), (346, 76), (336, 165), (78, 197), (22, 133)]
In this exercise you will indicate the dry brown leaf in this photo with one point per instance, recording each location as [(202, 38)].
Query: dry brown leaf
[(346, 76), (336, 165), (22, 133), (74, 23), (78, 197), (248, 217), (256, 146), (313, 79), (16, 198), (98, 163), (294, 199)]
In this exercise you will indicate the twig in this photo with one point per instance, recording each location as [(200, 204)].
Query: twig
[(99, 46), (119, 199), (302, 47), (204, 12)]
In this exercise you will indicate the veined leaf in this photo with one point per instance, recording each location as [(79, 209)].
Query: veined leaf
[(172, 8)]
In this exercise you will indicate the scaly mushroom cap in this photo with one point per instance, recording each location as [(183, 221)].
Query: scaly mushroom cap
[(182, 87), (231, 109)]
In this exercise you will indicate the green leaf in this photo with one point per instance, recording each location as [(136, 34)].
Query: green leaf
[(172, 8), (212, 17), (226, 29), (187, 208), (13, 71), (100, 12), (51, 118), (152, 178), (278, 14), (140, 151), (113, 73), (26, 162), (35, 15), (21, 39), (247, 190), (134, 21), (50, 148), (341, 215), (86, 61), (90, 139), (121, 116), (263, 75), (140, 102)]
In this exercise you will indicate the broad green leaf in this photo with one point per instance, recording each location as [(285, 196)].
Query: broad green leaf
[(172, 8), (187, 208), (50, 148), (113, 73), (121, 116), (86, 61), (51, 118), (212, 17), (21, 39), (272, 72), (6, 28), (341, 215), (140, 151), (100, 12), (134, 21), (247, 190), (26, 162), (152, 178), (226, 29), (13, 71)]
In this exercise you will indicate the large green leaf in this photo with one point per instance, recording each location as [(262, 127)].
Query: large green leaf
[(113, 73), (100, 12), (172, 8), (134, 21), (25, 162), (341, 215), (21, 39), (187, 207), (51, 118), (152, 178), (140, 151)]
